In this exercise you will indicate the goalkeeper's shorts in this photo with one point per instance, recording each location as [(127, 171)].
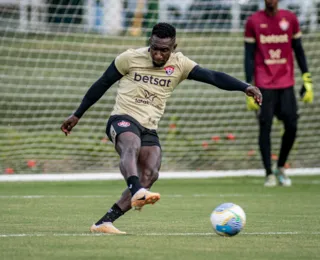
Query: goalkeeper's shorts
[(118, 124), (280, 103)]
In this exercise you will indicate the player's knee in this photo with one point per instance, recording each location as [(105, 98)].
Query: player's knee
[(291, 125), (149, 176), (292, 128)]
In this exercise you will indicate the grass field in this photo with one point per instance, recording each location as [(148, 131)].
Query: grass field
[(51, 221)]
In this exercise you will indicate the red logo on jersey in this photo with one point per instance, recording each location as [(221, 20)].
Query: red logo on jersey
[(284, 24), (124, 124), (169, 70)]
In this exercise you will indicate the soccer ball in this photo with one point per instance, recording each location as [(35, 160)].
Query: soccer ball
[(228, 219)]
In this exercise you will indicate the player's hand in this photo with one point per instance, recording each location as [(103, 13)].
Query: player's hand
[(68, 124), (254, 98), (306, 92)]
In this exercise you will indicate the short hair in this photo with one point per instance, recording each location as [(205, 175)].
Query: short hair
[(164, 30)]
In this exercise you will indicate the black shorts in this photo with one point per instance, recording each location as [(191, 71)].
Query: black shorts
[(279, 102), (118, 124)]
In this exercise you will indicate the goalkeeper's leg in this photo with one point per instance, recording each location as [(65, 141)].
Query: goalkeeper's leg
[(288, 138), (288, 114), (265, 118), (265, 150)]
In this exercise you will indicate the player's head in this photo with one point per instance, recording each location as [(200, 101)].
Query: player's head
[(271, 5), (162, 43)]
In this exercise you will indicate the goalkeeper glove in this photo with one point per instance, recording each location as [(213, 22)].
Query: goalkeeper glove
[(306, 92), (251, 104)]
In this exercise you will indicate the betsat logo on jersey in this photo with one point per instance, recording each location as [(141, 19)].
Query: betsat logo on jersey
[(152, 80), (274, 38), (228, 219)]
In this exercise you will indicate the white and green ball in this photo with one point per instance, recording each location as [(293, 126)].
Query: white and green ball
[(228, 219)]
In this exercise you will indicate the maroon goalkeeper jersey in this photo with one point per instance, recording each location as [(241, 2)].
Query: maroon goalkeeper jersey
[(273, 35)]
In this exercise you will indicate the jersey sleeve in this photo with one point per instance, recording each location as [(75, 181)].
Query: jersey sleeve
[(296, 32), (187, 66), (249, 34), (122, 62)]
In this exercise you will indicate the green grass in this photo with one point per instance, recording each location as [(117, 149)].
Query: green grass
[(282, 223)]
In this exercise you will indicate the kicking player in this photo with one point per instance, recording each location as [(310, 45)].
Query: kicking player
[(147, 77), (271, 35)]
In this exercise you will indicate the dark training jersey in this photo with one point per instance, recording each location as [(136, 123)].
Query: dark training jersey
[(273, 58)]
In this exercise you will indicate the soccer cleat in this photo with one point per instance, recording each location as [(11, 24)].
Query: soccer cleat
[(270, 181), (143, 197), (106, 227), (283, 179)]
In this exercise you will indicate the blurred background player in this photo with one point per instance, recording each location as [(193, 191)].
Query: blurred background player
[(147, 78), (271, 35)]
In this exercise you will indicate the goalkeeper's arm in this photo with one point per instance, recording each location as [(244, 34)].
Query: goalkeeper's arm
[(306, 91), (300, 56), (249, 49), (96, 91)]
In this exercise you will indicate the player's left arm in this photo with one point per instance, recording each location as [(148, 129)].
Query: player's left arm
[(224, 81), (306, 91)]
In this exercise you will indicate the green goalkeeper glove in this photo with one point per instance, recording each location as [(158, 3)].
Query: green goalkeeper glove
[(306, 92), (251, 104)]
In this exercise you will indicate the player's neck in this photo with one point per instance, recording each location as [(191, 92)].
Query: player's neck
[(271, 12)]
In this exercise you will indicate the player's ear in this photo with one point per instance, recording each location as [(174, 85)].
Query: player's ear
[(175, 46)]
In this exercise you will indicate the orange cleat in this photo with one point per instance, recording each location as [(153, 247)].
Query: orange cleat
[(106, 227), (143, 197)]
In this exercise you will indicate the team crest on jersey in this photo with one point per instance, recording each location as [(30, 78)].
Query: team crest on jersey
[(169, 70), (284, 24), (124, 124)]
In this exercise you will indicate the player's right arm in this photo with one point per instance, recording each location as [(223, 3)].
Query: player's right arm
[(95, 92), (249, 50)]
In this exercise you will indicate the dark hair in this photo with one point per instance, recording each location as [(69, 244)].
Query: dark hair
[(164, 30)]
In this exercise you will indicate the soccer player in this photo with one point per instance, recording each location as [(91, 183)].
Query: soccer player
[(147, 77), (271, 36)]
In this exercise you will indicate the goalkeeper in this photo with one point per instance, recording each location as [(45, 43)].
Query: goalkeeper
[(147, 77), (271, 36)]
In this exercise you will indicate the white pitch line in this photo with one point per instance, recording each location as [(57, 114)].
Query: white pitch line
[(163, 175), (312, 182), (151, 234)]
